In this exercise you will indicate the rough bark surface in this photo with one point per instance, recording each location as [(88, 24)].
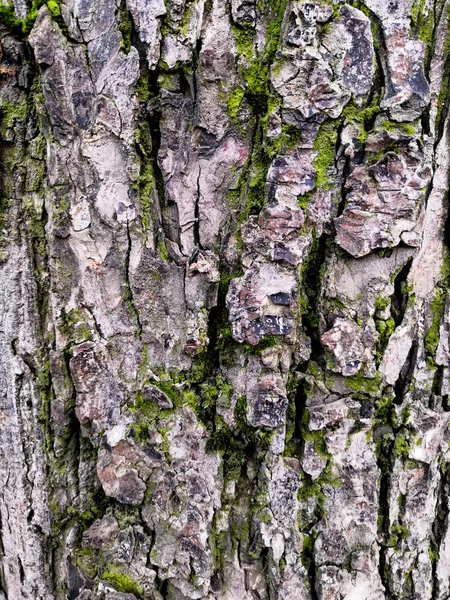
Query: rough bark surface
[(224, 309)]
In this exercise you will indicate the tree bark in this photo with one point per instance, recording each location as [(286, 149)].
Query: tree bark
[(224, 311)]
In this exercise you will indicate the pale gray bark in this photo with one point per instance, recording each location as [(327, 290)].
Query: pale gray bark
[(224, 312)]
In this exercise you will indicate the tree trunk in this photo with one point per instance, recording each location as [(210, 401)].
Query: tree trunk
[(224, 311)]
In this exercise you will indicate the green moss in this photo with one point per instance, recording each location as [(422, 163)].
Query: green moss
[(364, 116), (398, 533), (163, 252), (268, 341), (169, 389), (310, 488), (289, 138), (363, 385), (38, 146), (444, 92), (416, 10), (75, 325), (385, 330), (307, 292), (426, 33), (361, 115), (122, 581), (234, 102), (145, 183), (433, 551), (142, 88), (226, 346), (305, 199), (251, 187), (324, 146), (24, 26), (406, 412), (307, 553), (437, 311), (199, 369), (125, 26), (141, 432), (244, 41), (401, 446), (210, 395), (53, 7), (87, 561), (374, 157), (12, 112), (8, 17), (393, 126), (381, 303), (233, 444), (384, 453)]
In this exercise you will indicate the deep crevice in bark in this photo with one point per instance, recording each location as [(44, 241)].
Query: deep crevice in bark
[(399, 300)]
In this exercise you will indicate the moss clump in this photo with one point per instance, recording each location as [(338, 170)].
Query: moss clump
[(163, 252), (401, 446), (406, 412), (268, 341), (75, 326), (211, 393), (416, 10), (145, 183), (317, 438), (125, 26), (290, 136), (385, 330), (437, 311), (308, 285), (398, 533), (244, 41), (234, 102), (141, 432), (433, 551), (8, 16), (307, 553), (444, 92), (142, 89), (235, 445), (381, 304), (122, 581), (364, 116), (406, 128), (54, 8), (226, 346), (146, 187), (383, 449), (87, 561), (363, 385), (324, 146), (310, 488), (251, 187), (427, 32)]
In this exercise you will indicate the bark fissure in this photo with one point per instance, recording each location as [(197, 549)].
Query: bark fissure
[(223, 300)]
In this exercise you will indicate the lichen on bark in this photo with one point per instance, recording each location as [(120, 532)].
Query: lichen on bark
[(224, 300)]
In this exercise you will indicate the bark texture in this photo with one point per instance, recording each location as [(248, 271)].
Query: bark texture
[(224, 309)]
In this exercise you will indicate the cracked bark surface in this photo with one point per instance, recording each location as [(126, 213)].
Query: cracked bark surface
[(224, 310)]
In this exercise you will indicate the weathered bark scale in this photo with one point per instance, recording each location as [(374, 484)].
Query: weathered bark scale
[(224, 309)]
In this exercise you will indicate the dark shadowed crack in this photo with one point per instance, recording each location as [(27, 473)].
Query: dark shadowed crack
[(129, 292)]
